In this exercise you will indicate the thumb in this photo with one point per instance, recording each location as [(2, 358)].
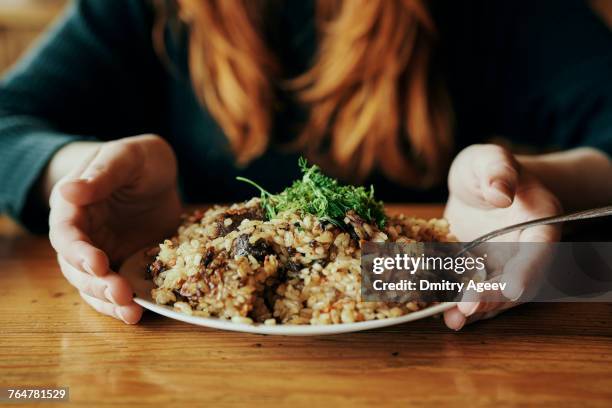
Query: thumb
[(114, 166), (485, 176)]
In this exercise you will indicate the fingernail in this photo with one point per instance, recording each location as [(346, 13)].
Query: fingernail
[(80, 180), (88, 268), (472, 309), (514, 293), (89, 175), (461, 325), (503, 188), (108, 294), (517, 297)]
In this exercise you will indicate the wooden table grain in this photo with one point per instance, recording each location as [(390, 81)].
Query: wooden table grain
[(539, 354)]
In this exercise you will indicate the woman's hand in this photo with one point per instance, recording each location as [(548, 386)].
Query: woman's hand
[(488, 189), (120, 199)]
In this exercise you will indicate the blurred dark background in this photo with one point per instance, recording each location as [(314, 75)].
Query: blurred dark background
[(22, 21)]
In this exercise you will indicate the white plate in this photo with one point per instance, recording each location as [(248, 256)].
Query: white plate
[(134, 270)]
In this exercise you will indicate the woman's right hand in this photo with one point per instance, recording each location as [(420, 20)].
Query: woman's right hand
[(120, 199)]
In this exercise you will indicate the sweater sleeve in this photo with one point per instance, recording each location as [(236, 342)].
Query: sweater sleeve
[(94, 76)]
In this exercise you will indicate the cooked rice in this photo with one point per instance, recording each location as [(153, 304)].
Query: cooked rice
[(229, 263)]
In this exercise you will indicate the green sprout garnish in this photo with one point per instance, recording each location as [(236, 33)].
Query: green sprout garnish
[(323, 197)]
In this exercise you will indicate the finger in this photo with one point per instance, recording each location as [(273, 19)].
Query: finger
[(129, 314), (524, 271), (498, 174), (475, 303), (112, 288), (74, 246), (82, 281), (73, 174), (454, 319), (114, 166), (535, 201), (468, 308), (67, 226), (485, 176)]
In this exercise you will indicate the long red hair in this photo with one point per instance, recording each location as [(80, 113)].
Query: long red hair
[(372, 98)]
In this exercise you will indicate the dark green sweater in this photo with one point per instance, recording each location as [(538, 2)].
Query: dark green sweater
[(538, 73)]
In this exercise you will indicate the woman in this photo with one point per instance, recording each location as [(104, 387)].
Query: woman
[(123, 94)]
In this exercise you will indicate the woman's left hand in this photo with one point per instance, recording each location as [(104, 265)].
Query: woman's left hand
[(488, 190)]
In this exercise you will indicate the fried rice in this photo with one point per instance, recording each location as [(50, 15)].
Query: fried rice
[(228, 262)]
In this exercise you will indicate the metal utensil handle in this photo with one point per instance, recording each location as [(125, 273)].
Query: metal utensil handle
[(575, 216)]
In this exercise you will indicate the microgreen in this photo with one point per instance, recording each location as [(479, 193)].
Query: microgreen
[(322, 196)]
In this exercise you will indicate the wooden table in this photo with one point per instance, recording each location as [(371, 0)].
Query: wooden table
[(540, 354)]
